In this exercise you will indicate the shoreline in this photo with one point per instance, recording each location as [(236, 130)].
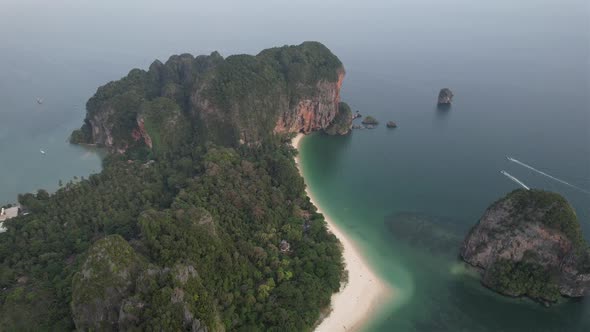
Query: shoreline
[(360, 297)]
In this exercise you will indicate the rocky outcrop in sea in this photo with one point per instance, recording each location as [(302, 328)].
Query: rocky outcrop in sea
[(529, 243), (445, 96)]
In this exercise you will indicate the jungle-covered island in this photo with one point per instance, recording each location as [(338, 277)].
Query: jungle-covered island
[(530, 243), (199, 220)]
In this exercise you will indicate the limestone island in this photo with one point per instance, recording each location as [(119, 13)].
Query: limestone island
[(445, 96), (529, 243), (391, 124)]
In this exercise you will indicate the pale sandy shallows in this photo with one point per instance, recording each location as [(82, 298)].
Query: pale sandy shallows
[(360, 298)]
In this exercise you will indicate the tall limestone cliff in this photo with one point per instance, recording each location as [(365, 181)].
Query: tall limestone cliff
[(237, 100), (529, 243)]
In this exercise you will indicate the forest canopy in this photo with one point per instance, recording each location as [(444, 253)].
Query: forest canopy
[(186, 230)]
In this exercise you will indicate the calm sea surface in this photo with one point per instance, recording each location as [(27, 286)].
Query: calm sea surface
[(519, 71)]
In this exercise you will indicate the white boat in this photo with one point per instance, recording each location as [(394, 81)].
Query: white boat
[(42, 151), (39, 101)]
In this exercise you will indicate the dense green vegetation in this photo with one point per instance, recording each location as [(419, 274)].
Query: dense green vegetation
[(82, 135), (549, 208), (195, 207), (163, 120), (187, 233), (524, 278), (342, 121)]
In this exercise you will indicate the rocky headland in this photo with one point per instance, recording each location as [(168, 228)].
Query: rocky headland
[(236, 100)]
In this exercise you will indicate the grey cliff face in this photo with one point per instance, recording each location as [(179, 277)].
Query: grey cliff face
[(573, 282), (496, 236), (102, 127)]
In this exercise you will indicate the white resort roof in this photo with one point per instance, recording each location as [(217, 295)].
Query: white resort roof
[(6, 214)]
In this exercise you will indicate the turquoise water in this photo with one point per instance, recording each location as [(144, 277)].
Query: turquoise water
[(442, 167), (521, 89), (360, 183)]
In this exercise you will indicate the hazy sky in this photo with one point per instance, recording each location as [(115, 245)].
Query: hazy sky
[(141, 29), (109, 37)]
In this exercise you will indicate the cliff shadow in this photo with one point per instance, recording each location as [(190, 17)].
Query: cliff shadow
[(328, 151)]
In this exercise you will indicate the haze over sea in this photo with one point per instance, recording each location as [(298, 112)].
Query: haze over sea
[(520, 71)]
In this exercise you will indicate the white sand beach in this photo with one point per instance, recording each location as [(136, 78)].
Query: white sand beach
[(359, 299)]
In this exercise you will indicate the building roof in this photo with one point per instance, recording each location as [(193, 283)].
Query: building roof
[(9, 213)]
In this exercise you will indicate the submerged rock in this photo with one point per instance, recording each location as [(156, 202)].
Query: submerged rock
[(445, 96), (436, 234), (529, 243)]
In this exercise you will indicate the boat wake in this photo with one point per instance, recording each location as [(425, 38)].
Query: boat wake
[(546, 175), (515, 180)]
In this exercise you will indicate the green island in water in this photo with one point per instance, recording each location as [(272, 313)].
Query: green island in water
[(200, 221)]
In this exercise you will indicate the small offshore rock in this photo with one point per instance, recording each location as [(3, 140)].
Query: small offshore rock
[(445, 96), (369, 120)]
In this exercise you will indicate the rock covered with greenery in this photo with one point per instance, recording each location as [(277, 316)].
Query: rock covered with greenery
[(342, 123), (105, 278), (369, 120), (183, 228), (234, 100), (529, 243)]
